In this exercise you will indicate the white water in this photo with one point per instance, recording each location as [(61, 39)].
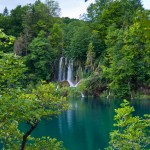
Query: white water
[(82, 95), (69, 73), (69, 78), (60, 69), (64, 69), (62, 73)]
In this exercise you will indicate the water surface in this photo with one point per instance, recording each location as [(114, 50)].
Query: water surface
[(87, 125)]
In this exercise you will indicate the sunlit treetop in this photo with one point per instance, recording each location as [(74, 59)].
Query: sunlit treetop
[(5, 40)]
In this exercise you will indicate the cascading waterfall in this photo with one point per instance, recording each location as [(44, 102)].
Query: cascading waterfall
[(60, 69), (82, 95), (64, 70), (69, 73)]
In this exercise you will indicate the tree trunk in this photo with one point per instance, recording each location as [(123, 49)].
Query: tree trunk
[(25, 136)]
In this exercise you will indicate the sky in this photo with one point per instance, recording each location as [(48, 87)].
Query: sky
[(69, 8)]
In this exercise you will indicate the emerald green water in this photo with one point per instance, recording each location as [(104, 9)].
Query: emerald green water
[(87, 125)]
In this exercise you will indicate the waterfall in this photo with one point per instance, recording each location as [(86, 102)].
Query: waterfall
[(69, 73), (82, 95), (60, 71), (64, 69), (65, 72)]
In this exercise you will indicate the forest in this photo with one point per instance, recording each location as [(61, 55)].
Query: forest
[(108, 50)]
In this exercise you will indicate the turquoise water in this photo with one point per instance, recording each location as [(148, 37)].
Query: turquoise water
[(87, 125)]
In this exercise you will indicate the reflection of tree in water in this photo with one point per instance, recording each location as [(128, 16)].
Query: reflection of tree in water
[(141, 107)]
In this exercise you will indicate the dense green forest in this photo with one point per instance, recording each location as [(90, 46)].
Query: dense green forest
[(110, 43), (109, 48)]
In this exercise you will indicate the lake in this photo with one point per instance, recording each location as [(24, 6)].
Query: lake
[(88, 124)]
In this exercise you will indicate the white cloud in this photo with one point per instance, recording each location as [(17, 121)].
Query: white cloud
[(146, 4), (69, 8), (73, 8)]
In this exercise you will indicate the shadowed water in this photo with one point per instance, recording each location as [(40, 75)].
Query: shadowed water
[(87, 125)]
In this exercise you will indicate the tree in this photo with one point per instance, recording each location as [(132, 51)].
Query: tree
[(56, 39), (12, 71), (16, 20), (79, 43), (103, 13), (69, 30), (5, 41), (20, 105), (124, 62), (18, 46), (95, 10), (40, 58), (53, 8), (132, 131), (42, 105), (90, 58), (29, 107), (12, 68), (98, 25), (34, 19), (37, 17), (5, 12)]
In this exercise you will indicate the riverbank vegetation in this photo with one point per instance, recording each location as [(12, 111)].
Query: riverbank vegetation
[(108, 48)]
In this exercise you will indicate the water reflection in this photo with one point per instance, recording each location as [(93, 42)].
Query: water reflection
[(87, 125)]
